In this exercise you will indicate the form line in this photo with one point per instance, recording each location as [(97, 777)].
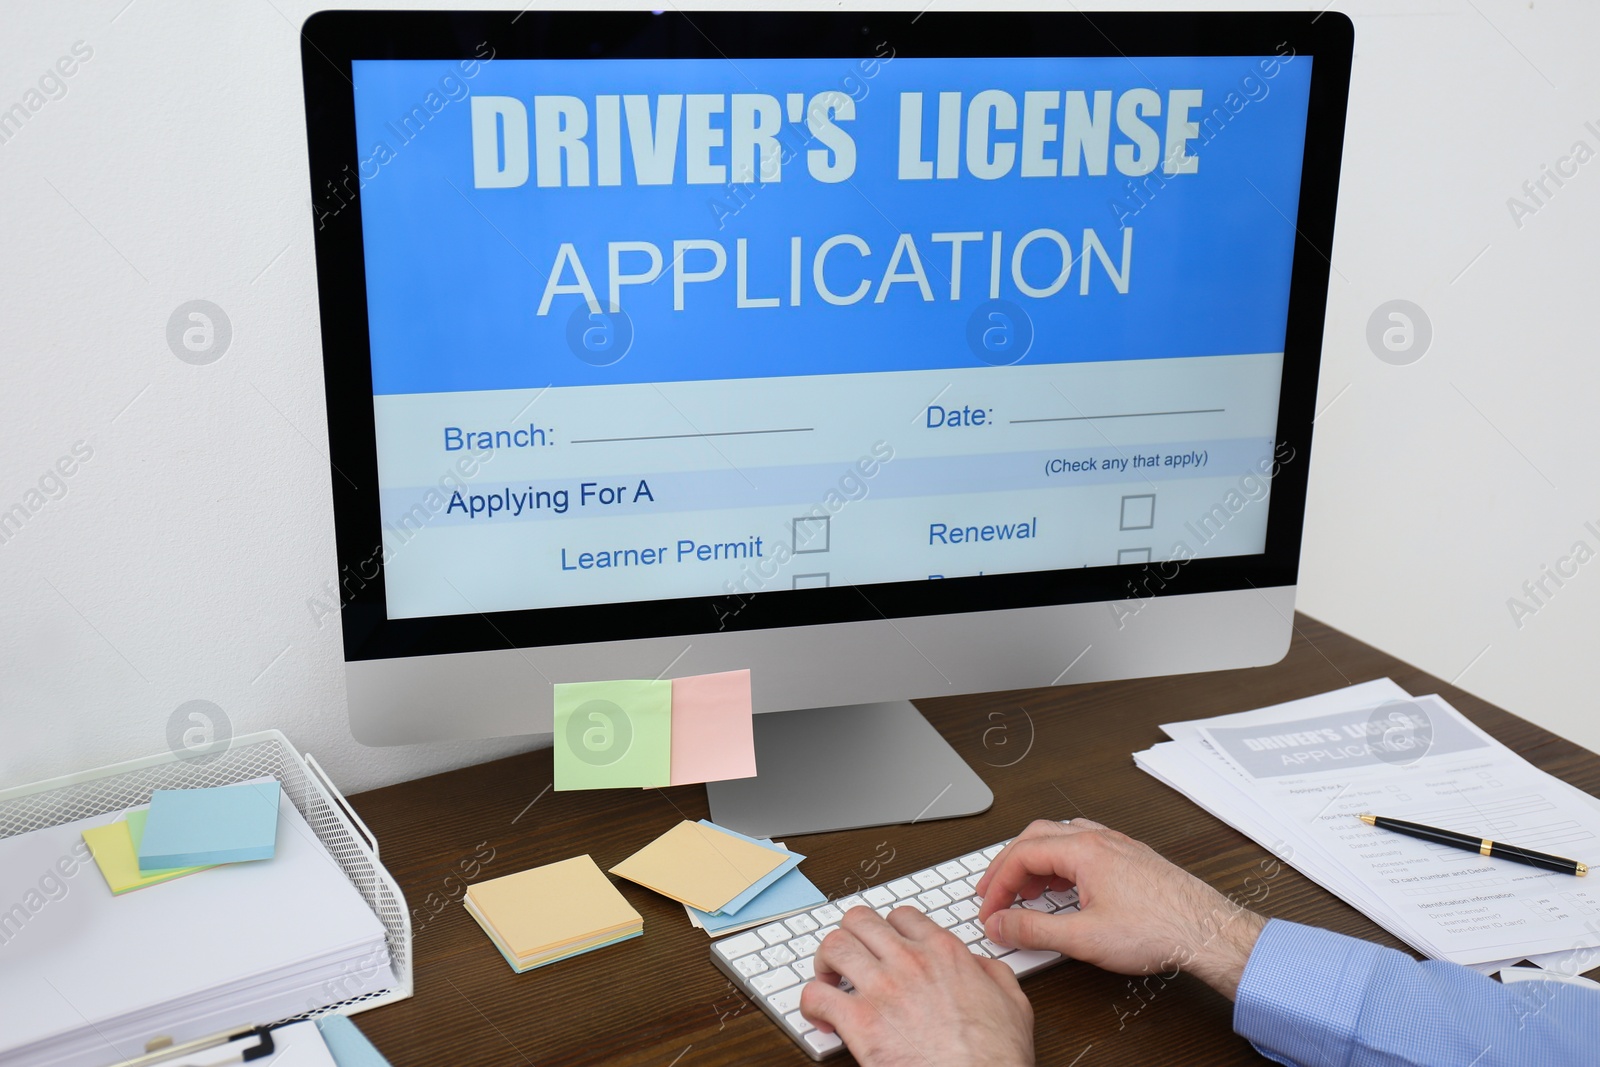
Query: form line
[(1125, 415), (682, 436)]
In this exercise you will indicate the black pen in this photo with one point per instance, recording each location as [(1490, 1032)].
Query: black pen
[(1481, 845)]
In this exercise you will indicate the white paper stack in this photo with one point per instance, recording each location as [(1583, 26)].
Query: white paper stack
[(87, 978), (1294, 777)]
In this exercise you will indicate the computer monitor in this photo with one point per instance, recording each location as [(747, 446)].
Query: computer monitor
[(887, 355)]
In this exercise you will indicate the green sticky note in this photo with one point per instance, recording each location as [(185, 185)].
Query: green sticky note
[(610, 735)]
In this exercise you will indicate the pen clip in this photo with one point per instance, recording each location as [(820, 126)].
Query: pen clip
[(166, 1055)]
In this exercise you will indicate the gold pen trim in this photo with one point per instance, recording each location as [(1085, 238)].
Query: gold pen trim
[(1370, 820), (1484, 848), (1580, 869)]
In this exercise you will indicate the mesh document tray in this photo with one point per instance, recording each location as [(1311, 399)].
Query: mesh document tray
[(265, 754)]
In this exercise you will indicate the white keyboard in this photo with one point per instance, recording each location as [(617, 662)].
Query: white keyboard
[(772, 963)]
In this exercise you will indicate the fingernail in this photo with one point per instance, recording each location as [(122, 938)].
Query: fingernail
[(994, 930)]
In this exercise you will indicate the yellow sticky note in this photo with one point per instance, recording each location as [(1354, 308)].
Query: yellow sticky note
[(115, 848), (550, 907), (698, 865)]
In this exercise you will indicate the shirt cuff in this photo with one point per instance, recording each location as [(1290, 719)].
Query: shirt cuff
[(1302, 991)]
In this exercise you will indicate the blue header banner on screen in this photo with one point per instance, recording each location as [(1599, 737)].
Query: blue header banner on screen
[(530, 222)]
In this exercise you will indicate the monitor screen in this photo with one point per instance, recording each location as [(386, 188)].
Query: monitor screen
[(669, 329)]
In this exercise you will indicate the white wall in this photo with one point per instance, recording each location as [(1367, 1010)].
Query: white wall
[(180, 561)]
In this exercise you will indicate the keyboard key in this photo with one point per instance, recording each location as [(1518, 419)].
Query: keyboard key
[(797, 1022), (786, 1000), (750, 965), (769, 983), (967, 932), (944, 918), (803, 946), (992, 851), (777, 955), (878, 896), (975, 862), (1061, 900), (774, 933), (964, 909), (904, 887), (821, 1042), (733, 947), (957, 890), (934, 898), (801, 924), (913, 902), (827, 915), (806, 968), (952, 869), (822, 934), (995, 950), (928, 879), (883, 913), (977, 950), (845, 904), (1038, 904)]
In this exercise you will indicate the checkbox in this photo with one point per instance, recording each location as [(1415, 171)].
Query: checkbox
[(1138, 512), (1133, 555), (811, 534), (811, 581)]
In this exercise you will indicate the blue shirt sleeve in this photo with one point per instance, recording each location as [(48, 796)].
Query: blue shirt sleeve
[(1314, 998)]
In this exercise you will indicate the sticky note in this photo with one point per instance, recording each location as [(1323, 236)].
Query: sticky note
[(791, 893), (791, 860), (611, 734), (115, 850), (198, 827), (548, 913), (699, 865), (713, 738)]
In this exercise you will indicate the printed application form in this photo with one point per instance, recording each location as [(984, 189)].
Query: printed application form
[(1296, 776)]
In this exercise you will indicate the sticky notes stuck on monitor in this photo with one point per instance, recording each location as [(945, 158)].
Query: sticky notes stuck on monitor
[(713, 737), (701, 865), (610, 734), (653, 733), (204, 827)]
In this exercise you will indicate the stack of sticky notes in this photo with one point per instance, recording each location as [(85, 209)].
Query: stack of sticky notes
[(202, 827), (115, 847), (654, 733), (708, 868), (792, 893), (552, 912), (184, 831)]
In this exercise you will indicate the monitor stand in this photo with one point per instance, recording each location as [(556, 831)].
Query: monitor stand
[(843, 768)]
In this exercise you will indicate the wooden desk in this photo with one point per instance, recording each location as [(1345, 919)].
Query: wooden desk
[(658, 1001)]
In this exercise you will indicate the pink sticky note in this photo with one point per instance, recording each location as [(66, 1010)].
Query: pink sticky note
[(712, 736)]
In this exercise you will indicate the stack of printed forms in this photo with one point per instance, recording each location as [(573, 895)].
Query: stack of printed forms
[(1295, 776)]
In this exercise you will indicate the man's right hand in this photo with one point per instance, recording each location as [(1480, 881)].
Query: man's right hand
[(1138, 914)]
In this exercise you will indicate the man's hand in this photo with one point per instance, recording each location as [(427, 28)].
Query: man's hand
[(920, 1000), (1138, 913)]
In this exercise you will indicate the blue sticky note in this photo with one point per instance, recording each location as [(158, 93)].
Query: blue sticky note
[(790, 893), (765, 880), (347, 1045), (202, 827)]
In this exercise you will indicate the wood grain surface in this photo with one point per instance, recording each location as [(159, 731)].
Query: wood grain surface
[(1047, 753)]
